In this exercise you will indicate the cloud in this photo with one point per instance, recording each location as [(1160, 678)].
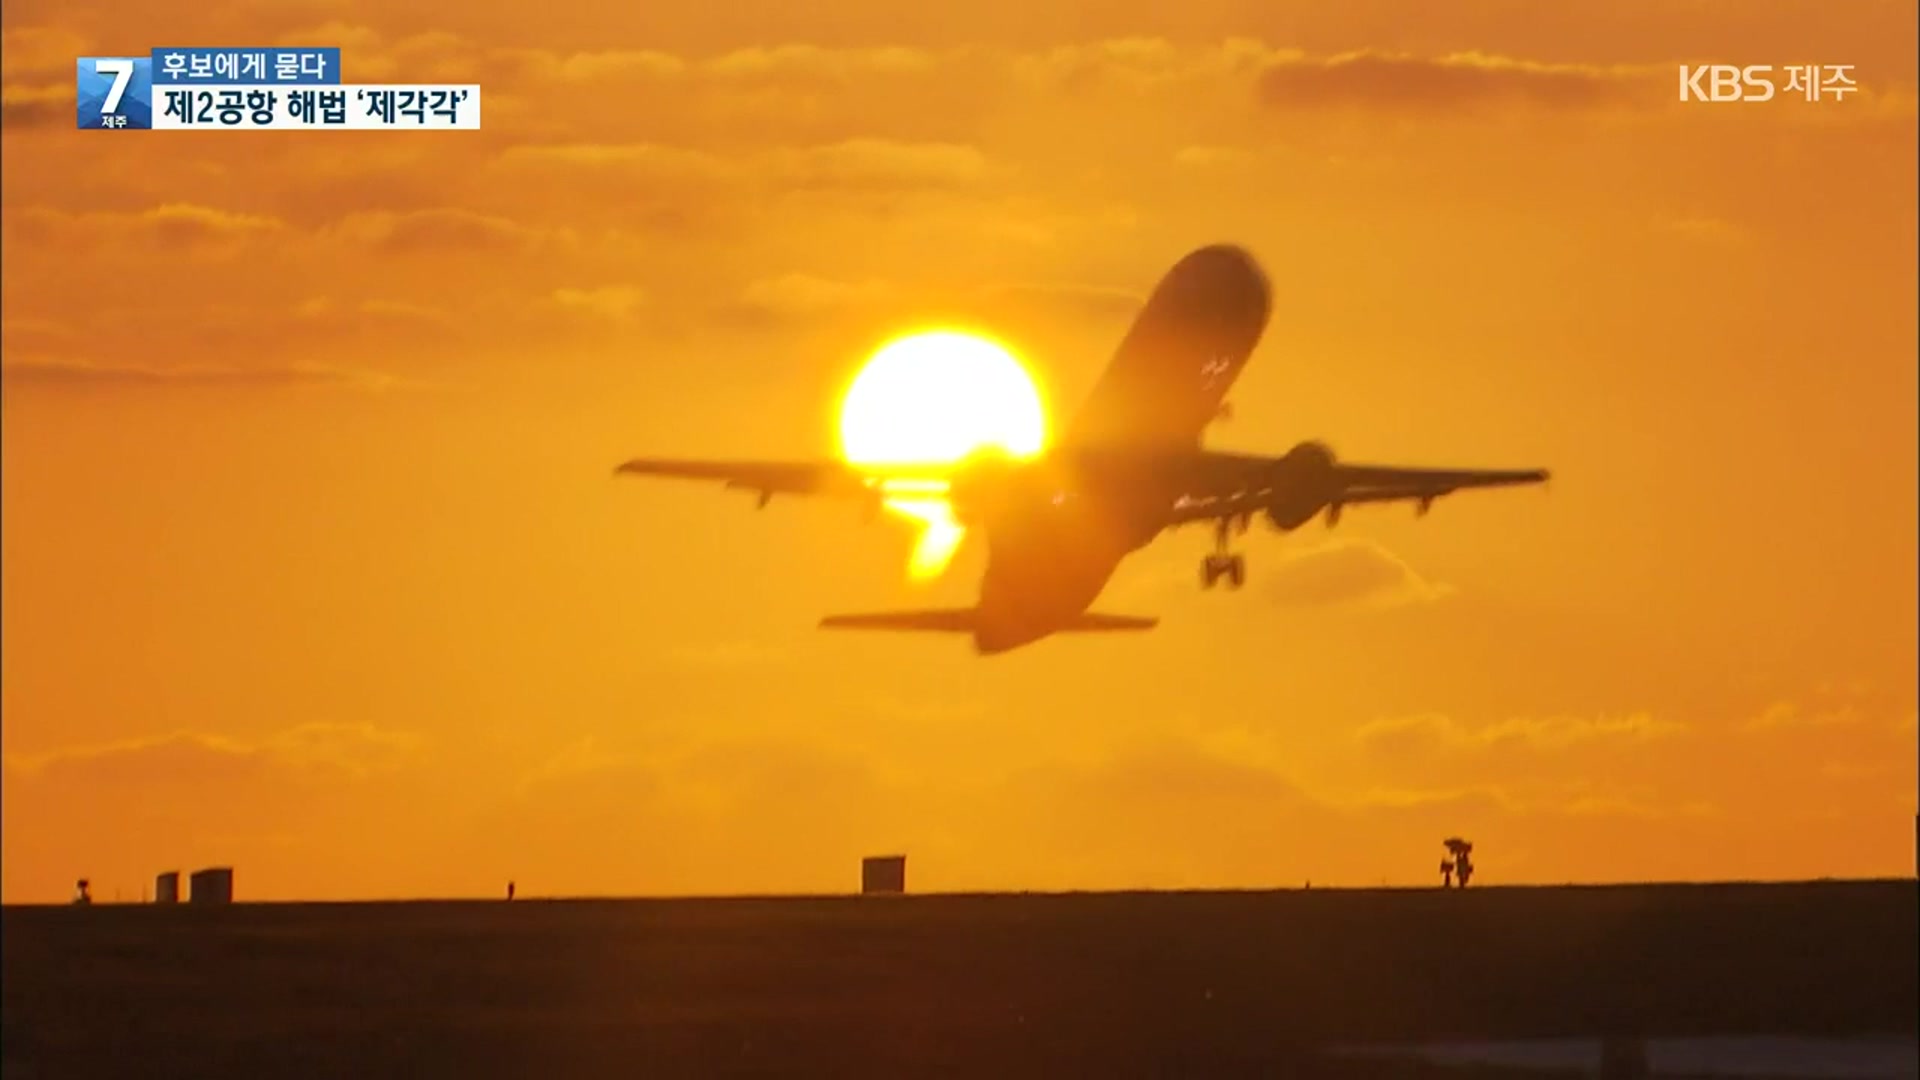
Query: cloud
[(323, 315), (369, 56), (354, 39), (692, 812), (171, 228), (34, 334), (443, 231), (327, 325), (650, 159), (1210, 157), (1411, 736), (359, 749), (1706, 230), (1538, 798), (40, 50), (187, 758), (192, 759), (1139, 64), (32, 106), (1173, 771), (660, 188), (799, 74), (793, 65), (580, 758), (1624, 806), (695, 776), (818, 62), (802, 296), (869, 164), (1092, 301), (863, 165), (284, 806), (1453, 82), (726, 655), (614, 302), (64, 373), (1892, 102), (180, 225), (1408, 798), (314, 186), (595, 65), (1157, 807), (1348, 572), (1784, 716)]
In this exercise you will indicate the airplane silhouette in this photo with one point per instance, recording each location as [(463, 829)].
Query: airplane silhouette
[(1129, 465)]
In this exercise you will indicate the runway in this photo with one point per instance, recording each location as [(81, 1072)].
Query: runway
[(1117, 984)]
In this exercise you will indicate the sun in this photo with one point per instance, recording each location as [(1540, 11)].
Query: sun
[(932, 399)]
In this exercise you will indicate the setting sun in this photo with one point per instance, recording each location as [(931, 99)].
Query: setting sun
[(931, 399)]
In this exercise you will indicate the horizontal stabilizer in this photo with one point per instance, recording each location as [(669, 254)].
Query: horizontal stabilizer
[(1090, 623), (963, 620), (936, 621)]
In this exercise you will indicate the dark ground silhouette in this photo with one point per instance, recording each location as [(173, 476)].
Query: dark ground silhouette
[(1186, 984)]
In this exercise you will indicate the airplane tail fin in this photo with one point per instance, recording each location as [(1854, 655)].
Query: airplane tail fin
[(963, 621)]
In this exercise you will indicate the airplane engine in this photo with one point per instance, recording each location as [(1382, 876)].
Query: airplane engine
[(1300, 486), (1290, 515)]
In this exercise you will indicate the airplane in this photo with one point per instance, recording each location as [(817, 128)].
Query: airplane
[(1128, 465)]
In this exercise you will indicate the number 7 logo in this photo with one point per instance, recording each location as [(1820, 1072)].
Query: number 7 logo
[(122, 72), (114, 93)]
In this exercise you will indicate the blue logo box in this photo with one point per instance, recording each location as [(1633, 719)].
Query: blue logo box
[(114, 93)]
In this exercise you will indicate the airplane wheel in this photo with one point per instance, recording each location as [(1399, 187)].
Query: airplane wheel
[(1209, 573), (1237, 572)]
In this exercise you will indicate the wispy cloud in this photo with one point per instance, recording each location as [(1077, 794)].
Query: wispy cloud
[(76, 374), (444, 230), (358, 749), (1450, 82), (1540, 733), (1348, 572), (1786, 715), (174, 228), (614, 302)]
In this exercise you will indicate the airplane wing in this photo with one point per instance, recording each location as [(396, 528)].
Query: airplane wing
[(1221, 487), (768, 478), (1387, 481)]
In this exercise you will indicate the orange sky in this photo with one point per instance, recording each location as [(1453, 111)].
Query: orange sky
[(314, 565)]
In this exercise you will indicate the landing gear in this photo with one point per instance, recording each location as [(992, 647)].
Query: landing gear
[(1223, 563), (1215, 567)]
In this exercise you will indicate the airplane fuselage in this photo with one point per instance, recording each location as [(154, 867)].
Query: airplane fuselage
[(1049, 559), (1057, 542)]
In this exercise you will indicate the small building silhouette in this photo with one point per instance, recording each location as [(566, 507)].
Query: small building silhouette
[(211, 886), (166, 888), (883, 874)]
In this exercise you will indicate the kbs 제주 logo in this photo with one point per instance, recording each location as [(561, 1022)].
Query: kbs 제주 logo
[(1756, 82)]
